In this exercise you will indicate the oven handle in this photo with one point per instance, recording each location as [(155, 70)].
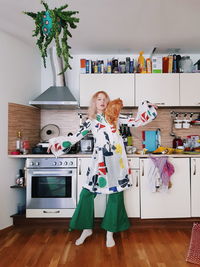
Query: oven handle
[(45, 211), (52, 172)]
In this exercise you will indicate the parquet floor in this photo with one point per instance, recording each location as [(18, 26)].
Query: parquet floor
[(52, 247)]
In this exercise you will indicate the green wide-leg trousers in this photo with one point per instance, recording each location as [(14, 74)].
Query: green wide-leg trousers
[(115, 217)]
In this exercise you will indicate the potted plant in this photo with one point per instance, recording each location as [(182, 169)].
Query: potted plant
[(49, 25)]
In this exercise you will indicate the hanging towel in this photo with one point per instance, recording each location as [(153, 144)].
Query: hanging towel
[(160, 173)]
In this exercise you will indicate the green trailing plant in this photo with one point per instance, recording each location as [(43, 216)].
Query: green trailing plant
[(54, 24)]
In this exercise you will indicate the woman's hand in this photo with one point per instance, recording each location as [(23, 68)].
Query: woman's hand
[(152, 105)]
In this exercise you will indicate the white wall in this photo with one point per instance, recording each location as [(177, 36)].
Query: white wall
[(20, 77)]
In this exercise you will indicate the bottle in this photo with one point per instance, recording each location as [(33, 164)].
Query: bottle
[(149, 66), (170, 63), (141, 62), (128, 64), (96, 67), (87, 66), (19, 142), (109, 67), (122, 66), (174, 69), (165, 63), (102, 66), (177, 141), (99, 66), (129, 137), (131, 69), (124, 135)]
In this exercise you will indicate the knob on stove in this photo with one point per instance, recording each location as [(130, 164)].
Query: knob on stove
[(60, 163)]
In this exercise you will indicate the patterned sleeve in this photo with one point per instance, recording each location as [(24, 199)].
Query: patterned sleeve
[(60, 145), (145, 114)]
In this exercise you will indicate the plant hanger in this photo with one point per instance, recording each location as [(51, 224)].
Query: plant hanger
[(49, 25)]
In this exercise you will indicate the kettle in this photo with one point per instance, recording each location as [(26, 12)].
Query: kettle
[(198, 64)]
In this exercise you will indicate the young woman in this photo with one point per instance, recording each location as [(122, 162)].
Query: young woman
[(109, 172)]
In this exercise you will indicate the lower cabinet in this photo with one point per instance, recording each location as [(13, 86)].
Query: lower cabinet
[(132, 195), (195, 187), (100, 200), (180, 201), (175, 202)]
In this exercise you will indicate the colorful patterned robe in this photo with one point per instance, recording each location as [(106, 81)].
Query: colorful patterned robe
[(109, 171)]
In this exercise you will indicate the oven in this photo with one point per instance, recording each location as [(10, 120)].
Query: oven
[(51, 186)]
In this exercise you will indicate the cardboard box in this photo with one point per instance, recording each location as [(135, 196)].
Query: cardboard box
[(157, 64)]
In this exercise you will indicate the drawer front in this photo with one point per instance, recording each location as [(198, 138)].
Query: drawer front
[(49, 213)]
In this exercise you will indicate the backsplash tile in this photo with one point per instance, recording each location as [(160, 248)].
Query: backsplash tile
[(68, 121)]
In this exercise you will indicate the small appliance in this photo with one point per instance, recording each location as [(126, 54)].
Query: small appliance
[(87, 144), (151, 140)]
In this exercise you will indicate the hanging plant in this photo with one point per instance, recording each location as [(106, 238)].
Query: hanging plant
[(49, 25)]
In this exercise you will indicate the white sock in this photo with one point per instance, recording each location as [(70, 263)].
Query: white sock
[(84, 235), (110, 242)]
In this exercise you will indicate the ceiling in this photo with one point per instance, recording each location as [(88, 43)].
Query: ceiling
[(115, 26)]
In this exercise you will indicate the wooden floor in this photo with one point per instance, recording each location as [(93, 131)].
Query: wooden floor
[(43, 246)]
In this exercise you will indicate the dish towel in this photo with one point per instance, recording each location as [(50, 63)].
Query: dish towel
[(160, 173), (193, 255)]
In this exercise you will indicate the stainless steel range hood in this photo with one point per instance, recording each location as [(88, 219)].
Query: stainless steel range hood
[(59, 95)]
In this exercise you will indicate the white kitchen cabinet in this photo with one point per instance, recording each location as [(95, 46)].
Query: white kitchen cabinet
[(175, 203), (189, 89), (116, 85), (100, 200), (132, 195), (161, 89), (195, 187)]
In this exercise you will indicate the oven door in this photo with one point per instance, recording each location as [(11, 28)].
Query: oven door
[(51, 189)]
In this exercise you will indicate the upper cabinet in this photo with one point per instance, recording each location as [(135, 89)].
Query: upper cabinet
[(189, 89), (161, 89), (165, 89), (116, 85)]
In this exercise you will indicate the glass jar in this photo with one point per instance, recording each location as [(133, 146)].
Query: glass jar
[(186, 64)]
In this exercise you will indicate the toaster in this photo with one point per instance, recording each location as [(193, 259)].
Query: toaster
[(87, 144)]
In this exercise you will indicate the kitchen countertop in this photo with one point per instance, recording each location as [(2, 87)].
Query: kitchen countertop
[(84, 155)]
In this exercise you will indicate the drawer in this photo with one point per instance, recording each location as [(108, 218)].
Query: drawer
[(49, 213)]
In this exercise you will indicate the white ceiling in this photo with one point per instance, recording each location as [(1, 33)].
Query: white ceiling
[(115, 26)]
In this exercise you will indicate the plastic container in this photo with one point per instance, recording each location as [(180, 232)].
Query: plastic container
[(185, 64), (141, 63)]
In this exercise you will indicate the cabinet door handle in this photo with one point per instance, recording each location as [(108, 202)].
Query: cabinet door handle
[(137, 178), (79, 166), (195, 167), (142, 161)]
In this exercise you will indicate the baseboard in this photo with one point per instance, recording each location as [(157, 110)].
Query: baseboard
[(136, 223)]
